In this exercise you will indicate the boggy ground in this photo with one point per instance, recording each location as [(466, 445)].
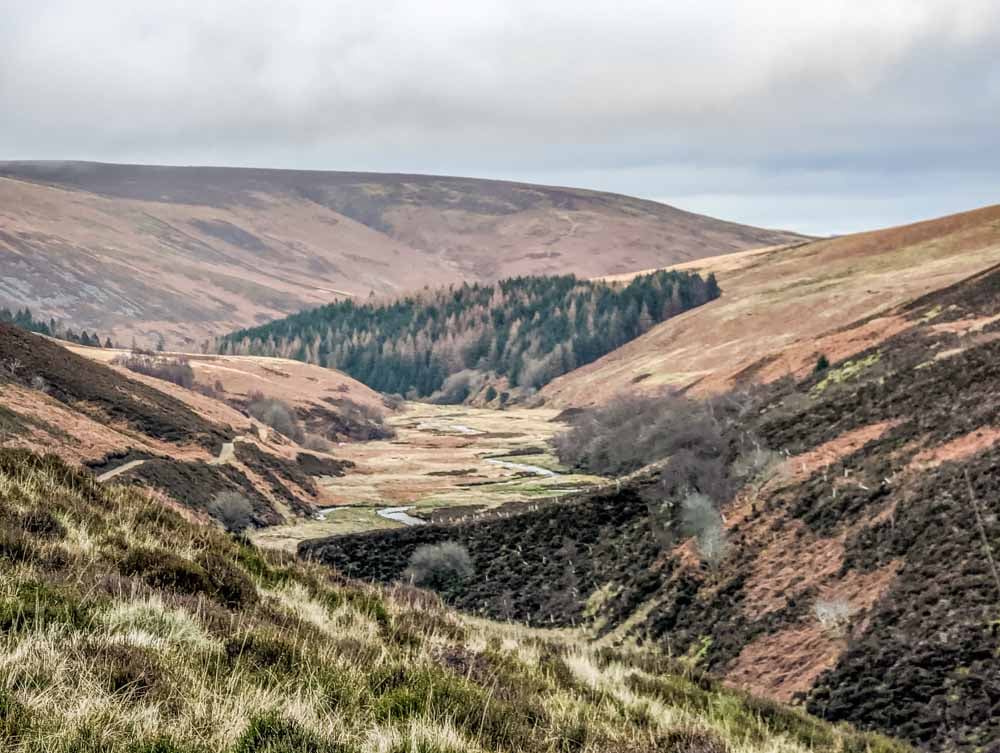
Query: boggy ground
[(446, 461), (886, 512)]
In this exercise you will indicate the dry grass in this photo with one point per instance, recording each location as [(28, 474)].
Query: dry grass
[(783, 306), (127, 628), (440, 458)]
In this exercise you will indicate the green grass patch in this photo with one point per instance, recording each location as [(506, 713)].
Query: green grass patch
[(848, 370)]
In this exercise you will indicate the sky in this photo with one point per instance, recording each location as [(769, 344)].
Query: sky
[(825, 117)]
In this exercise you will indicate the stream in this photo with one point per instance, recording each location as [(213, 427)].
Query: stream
[(397, 514), (400, 515), (538, 471)]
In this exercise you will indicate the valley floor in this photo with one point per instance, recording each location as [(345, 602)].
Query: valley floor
[(445, 461)]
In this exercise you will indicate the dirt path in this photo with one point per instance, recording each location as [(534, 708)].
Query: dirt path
[(119, 470), (226, 455)]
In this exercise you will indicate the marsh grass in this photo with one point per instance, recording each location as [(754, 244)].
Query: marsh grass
[(149, 634)]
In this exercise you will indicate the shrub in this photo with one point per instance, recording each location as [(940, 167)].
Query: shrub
[(440, 567), (458, 387), (233, 510), (38, 605), (316, 443), (822, 363), (393, 402), (274, 733), (358, 421), (229, 584), (834, 615), (125, 670), (162, 569), (277, 414), (174, 370), (700, 519)]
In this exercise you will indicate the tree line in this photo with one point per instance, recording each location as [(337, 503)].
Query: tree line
[(24, 319), (518, 333)]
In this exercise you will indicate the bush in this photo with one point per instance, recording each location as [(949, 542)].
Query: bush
[(822, 363), (174, 370), (274, 733), (394, 401), (125, 670), (163, 569), (233, 510), (229, 584), (440, 567), (277, 414), (701, 519), (363, 422), (458, 387), (316, 443)]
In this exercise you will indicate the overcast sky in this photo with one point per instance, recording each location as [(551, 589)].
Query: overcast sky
[(823, 116)]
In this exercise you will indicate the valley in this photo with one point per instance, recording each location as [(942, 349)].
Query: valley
[(860, 370), (504, 377), (446, 462)]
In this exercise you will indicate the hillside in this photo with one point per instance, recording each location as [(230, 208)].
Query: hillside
[(454, 343), (192, 443), (126, 628), (857, 572), (781, 307), (186, 253)]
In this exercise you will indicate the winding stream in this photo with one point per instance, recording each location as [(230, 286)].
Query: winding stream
[(538, 471)]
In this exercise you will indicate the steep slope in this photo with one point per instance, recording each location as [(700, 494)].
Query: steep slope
[(186, 253), (189, 445), (126, 628), (860, 574), (781, 307)]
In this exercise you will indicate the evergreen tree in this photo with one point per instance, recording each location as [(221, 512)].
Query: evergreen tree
[(528, 330)]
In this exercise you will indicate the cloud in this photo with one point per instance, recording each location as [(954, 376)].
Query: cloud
[(801, 93)]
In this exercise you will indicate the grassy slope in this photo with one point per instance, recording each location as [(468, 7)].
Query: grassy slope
[(126, 628), (780, 307), (68, 402)]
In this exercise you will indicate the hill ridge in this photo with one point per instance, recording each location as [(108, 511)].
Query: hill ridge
[(185, 253)]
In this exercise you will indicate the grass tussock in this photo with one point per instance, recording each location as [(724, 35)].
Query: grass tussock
[(123, 628)]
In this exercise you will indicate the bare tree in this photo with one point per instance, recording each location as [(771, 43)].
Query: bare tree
[(233, 510), (440, 567)]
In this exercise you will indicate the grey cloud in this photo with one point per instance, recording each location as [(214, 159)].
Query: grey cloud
[(752, 102)]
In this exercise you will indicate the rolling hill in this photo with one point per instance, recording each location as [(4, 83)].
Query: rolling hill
[(782, 307), (184, 253), (189, 444)]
